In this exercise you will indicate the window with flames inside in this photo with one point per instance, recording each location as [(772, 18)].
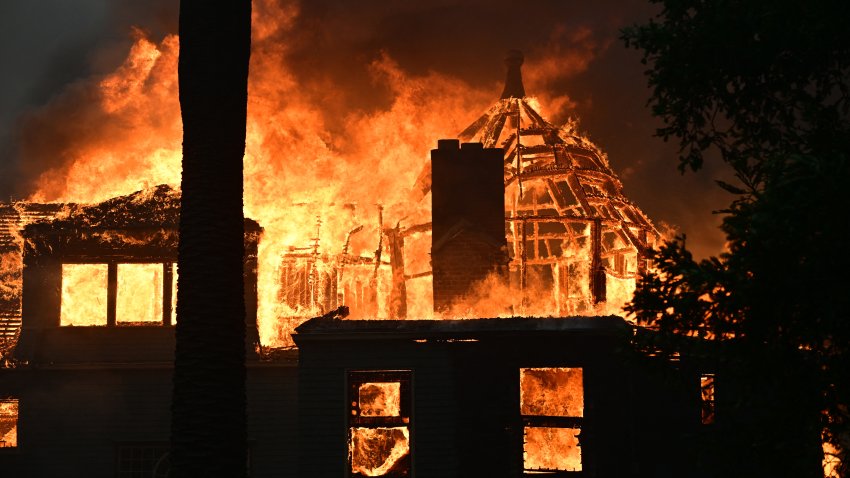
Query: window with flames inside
[(552, 409), (118, 294), (379, 423), (8, 423)]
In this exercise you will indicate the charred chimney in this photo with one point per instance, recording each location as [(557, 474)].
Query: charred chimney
[(468, 240)]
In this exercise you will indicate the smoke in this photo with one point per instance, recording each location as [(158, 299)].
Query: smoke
[(354, 68)]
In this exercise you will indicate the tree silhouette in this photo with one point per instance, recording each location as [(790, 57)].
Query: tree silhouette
[(765, 84), (208, 432)]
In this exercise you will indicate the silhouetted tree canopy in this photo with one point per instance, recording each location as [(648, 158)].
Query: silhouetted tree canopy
[(763, 85)]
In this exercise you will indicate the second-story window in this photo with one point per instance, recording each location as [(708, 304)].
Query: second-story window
[(118, 294)]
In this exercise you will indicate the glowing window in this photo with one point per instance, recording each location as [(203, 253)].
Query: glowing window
[(84, 294), (379, 424), (139, 294), (8, 423), (706, 386), (118, 294), (552, 408)]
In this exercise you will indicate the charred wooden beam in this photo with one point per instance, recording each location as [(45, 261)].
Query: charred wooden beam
[(398, 292), (597, 272)]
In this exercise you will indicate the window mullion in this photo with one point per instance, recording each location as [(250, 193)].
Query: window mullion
[(111, 293), (167, 279)]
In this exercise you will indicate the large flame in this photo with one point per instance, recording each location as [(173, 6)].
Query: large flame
[(308, 187)]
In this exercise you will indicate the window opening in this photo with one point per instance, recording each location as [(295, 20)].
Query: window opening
[(552, 409), (84, 294), (118, 294), (379, 423), (139, 294), (9, 423)]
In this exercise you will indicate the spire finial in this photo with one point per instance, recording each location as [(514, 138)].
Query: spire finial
[(513, 77)]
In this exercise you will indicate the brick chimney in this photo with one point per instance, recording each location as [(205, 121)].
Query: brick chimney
[(468, 210)]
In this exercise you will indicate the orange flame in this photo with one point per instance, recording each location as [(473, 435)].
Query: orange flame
[(376, 451), (295, 170), (84, 291), (381, 399)]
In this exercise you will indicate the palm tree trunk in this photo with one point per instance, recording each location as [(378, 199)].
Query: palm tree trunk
[(208, 432)]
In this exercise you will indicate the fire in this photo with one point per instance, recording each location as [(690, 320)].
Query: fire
[(552, 449), (84, 294), (547, 393), (376, 451), (381, 399), (323, 196), (557, 392), (8, 423), (139, 293)]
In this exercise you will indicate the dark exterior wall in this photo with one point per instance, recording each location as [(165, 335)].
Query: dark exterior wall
[(323, 423), (466, 412), (42, 282), (272, 419), (72, 419)]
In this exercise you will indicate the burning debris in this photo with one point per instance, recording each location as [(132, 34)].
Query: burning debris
[(575, 244), (574, 239), (348, 229)]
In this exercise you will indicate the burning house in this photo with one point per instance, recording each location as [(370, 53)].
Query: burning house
[(485, 397), (518, 238), (573, 244)]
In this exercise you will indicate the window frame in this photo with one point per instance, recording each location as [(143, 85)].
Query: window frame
[(356, 378), (548, 421), (168, 287)]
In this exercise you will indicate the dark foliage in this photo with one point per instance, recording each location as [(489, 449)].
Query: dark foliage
[(765, 84)]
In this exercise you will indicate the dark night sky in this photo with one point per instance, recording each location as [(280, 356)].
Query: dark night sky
[(46, 46)]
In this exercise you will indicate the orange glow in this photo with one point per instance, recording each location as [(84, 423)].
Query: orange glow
[(831, 461), (554, 392), (551, 449), (8, 423), (381, 399), (328, 197), (84, 291), (139, 294), (379, 451), (551, 392)]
